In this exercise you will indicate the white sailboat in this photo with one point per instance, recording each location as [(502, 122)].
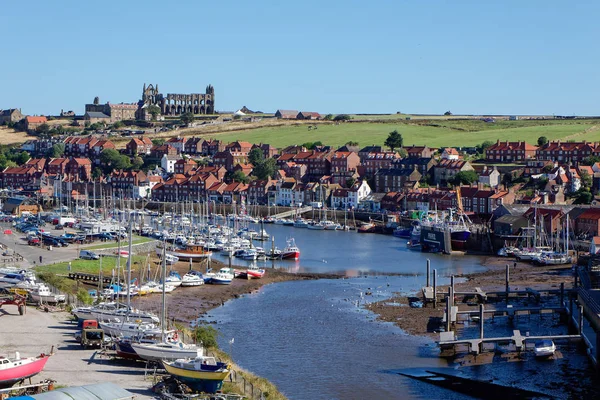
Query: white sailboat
[(170, 348)]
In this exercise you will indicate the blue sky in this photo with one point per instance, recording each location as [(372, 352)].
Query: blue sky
[(509, 57)]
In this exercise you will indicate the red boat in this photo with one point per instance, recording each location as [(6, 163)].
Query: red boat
[(17, 369), (291, 252)]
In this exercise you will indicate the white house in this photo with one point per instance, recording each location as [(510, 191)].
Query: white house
[(350, 198), (490, 177), (450, 153), (167, 163), (286, 193)]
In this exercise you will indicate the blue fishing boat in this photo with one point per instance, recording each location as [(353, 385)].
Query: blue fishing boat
[(202, 374)]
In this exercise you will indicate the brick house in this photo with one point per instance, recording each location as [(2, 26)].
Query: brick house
[(268, 150), (372, 162), (79, 169), (178, 143), (212, 147), (140, 146), (552, 218), (394, 180), (564, 152), (484, 200), (419, 151), (445, 170), (197, 184), (157, 152), (239, 147), (233, 192), (229, 159), (344, 161), (422, 164), (588, 222), (393, 201), (185, 167), (193, 146), (17, 177), (450, 153), (57, 166), (219, 172), (126, 179), (510, 151), (258, 191)]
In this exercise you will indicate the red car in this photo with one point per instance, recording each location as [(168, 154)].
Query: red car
[(34, 242)]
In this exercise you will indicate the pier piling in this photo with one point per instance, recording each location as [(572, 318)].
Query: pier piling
[(562, 293), (428, 271), (507, 282), (481, 313), (434, 288), (580, 320), (452, 289)]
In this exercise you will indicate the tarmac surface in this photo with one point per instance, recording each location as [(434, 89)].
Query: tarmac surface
[(37, 331)]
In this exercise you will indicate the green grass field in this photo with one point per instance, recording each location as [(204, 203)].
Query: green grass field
[(434, 133), (114, 245), (92, 266)]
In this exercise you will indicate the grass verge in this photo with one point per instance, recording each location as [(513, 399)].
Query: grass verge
[(114, 245)]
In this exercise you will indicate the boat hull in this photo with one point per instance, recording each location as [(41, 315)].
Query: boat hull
[(155, 353), (10, 376), (218, 281), (202, 381), (291, 255)]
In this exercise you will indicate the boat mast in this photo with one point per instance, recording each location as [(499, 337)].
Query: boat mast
[(164, 303), (128, 265)]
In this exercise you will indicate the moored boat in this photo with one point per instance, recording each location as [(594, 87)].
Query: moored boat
[(13, 370), (192, 278), (291, 251), (223, 277), (190, 252), (203, 374), (254, 272)]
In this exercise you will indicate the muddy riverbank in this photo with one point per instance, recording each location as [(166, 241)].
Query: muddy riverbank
[(186, 304), (425, 321)]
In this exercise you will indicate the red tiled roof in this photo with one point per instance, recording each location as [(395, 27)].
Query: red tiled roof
[(36, 120)]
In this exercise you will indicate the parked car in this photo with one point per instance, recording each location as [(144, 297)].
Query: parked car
[(88, 255), (59, 226), (34, 241)]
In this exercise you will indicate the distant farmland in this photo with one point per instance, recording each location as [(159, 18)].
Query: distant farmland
[(434, 133)]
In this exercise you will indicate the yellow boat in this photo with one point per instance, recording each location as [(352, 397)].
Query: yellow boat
[(203, 374)]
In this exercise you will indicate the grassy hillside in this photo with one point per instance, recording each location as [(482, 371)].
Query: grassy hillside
[(434, 133)]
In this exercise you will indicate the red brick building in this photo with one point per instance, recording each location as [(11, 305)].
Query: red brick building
[(510, 151), (565, 152)]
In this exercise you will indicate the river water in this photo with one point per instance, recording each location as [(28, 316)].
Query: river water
[(314, 340)]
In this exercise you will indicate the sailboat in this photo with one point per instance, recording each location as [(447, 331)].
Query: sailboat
[(169, 348)]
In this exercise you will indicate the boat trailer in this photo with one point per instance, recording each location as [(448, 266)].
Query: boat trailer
[(13, 298)]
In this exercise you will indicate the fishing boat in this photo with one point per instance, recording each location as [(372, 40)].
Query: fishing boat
[(13, 370), (402, 232), (202, 374), (291, 251), (192, 278), (43, 294), (223, 277), (190, 252), (544, 348)]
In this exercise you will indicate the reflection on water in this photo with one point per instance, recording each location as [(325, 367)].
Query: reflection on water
[(355, 253), (314, 341)]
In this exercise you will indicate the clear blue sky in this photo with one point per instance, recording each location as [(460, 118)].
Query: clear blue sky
[(511, 57)]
